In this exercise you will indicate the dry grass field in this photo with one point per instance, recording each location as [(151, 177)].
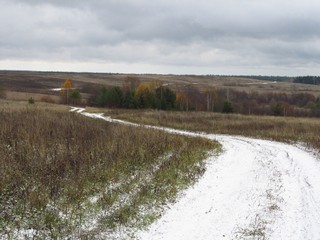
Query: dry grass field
[(286, 129), (42, 82), (24, 96), (64, 175)]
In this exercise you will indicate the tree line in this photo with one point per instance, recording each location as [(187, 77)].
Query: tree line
[(134, 94), (278, 104), (307, 80)]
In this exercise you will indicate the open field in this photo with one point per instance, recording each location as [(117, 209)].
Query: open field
[(42, 81), (64, 175), (24, 96), (293, 130), (245, 95), (9, 106)]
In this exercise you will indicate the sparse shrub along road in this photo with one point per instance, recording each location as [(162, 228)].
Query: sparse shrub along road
[(256, 189)]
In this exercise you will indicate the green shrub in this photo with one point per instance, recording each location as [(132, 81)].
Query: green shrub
[(227, 107)]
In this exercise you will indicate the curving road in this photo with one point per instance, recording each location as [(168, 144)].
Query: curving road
[(255, 189)]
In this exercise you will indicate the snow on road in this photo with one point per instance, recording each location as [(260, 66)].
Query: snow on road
[(256, 189)]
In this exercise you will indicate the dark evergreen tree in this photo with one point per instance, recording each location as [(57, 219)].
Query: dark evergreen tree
[(128, 100), (75, 96), (227, 107), (277, 109), (166, 98), (110, 97)]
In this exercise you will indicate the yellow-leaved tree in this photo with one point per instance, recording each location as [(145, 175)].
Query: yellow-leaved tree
[(65, 89), (181, 100), (145, 95)]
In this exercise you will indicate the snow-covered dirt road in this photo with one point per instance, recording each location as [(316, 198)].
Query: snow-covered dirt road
[(255, 189)]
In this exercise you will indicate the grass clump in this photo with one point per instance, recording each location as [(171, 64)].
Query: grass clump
[(65, 175)]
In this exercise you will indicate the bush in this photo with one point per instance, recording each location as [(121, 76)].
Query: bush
[(31, 100), (75, 96), (227, 107), (277, 109)]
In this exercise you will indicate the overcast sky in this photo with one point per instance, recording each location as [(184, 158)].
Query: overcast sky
[(264, 37)]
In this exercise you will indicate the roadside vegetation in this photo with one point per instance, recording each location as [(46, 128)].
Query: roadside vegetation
[(64, 175), (284, 129)]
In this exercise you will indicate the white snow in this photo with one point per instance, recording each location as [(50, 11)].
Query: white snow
[(59, 89), (56, 89), (77, 109), (261, 83), (256, 189)]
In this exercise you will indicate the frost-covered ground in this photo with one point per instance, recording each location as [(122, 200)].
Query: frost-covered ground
[(255, 189)]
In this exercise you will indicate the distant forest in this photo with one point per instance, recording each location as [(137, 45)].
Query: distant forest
[(307, 80), (154, 95), (315, 80)]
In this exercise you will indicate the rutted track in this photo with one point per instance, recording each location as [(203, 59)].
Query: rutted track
[(255, 189)]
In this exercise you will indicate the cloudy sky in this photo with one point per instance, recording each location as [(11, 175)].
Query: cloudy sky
[(265, 37)]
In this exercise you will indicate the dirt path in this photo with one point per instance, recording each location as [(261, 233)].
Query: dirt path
[(255, 189)]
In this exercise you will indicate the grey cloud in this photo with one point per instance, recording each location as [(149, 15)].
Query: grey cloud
[(181, 33)]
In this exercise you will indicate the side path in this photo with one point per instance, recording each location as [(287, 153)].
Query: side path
[(256, 189)]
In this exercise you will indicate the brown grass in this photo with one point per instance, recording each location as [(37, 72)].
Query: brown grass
[(24, 96), (285, 129), (10, 106), (53, 162), (42, 81)]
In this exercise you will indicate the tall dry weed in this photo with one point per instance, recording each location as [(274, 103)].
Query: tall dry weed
[(53, 162)]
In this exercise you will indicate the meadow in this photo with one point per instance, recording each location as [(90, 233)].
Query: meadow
[(305, 131), (64, 175), (249, 95)]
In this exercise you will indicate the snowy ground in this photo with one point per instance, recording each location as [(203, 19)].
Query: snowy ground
[(255, 189)]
